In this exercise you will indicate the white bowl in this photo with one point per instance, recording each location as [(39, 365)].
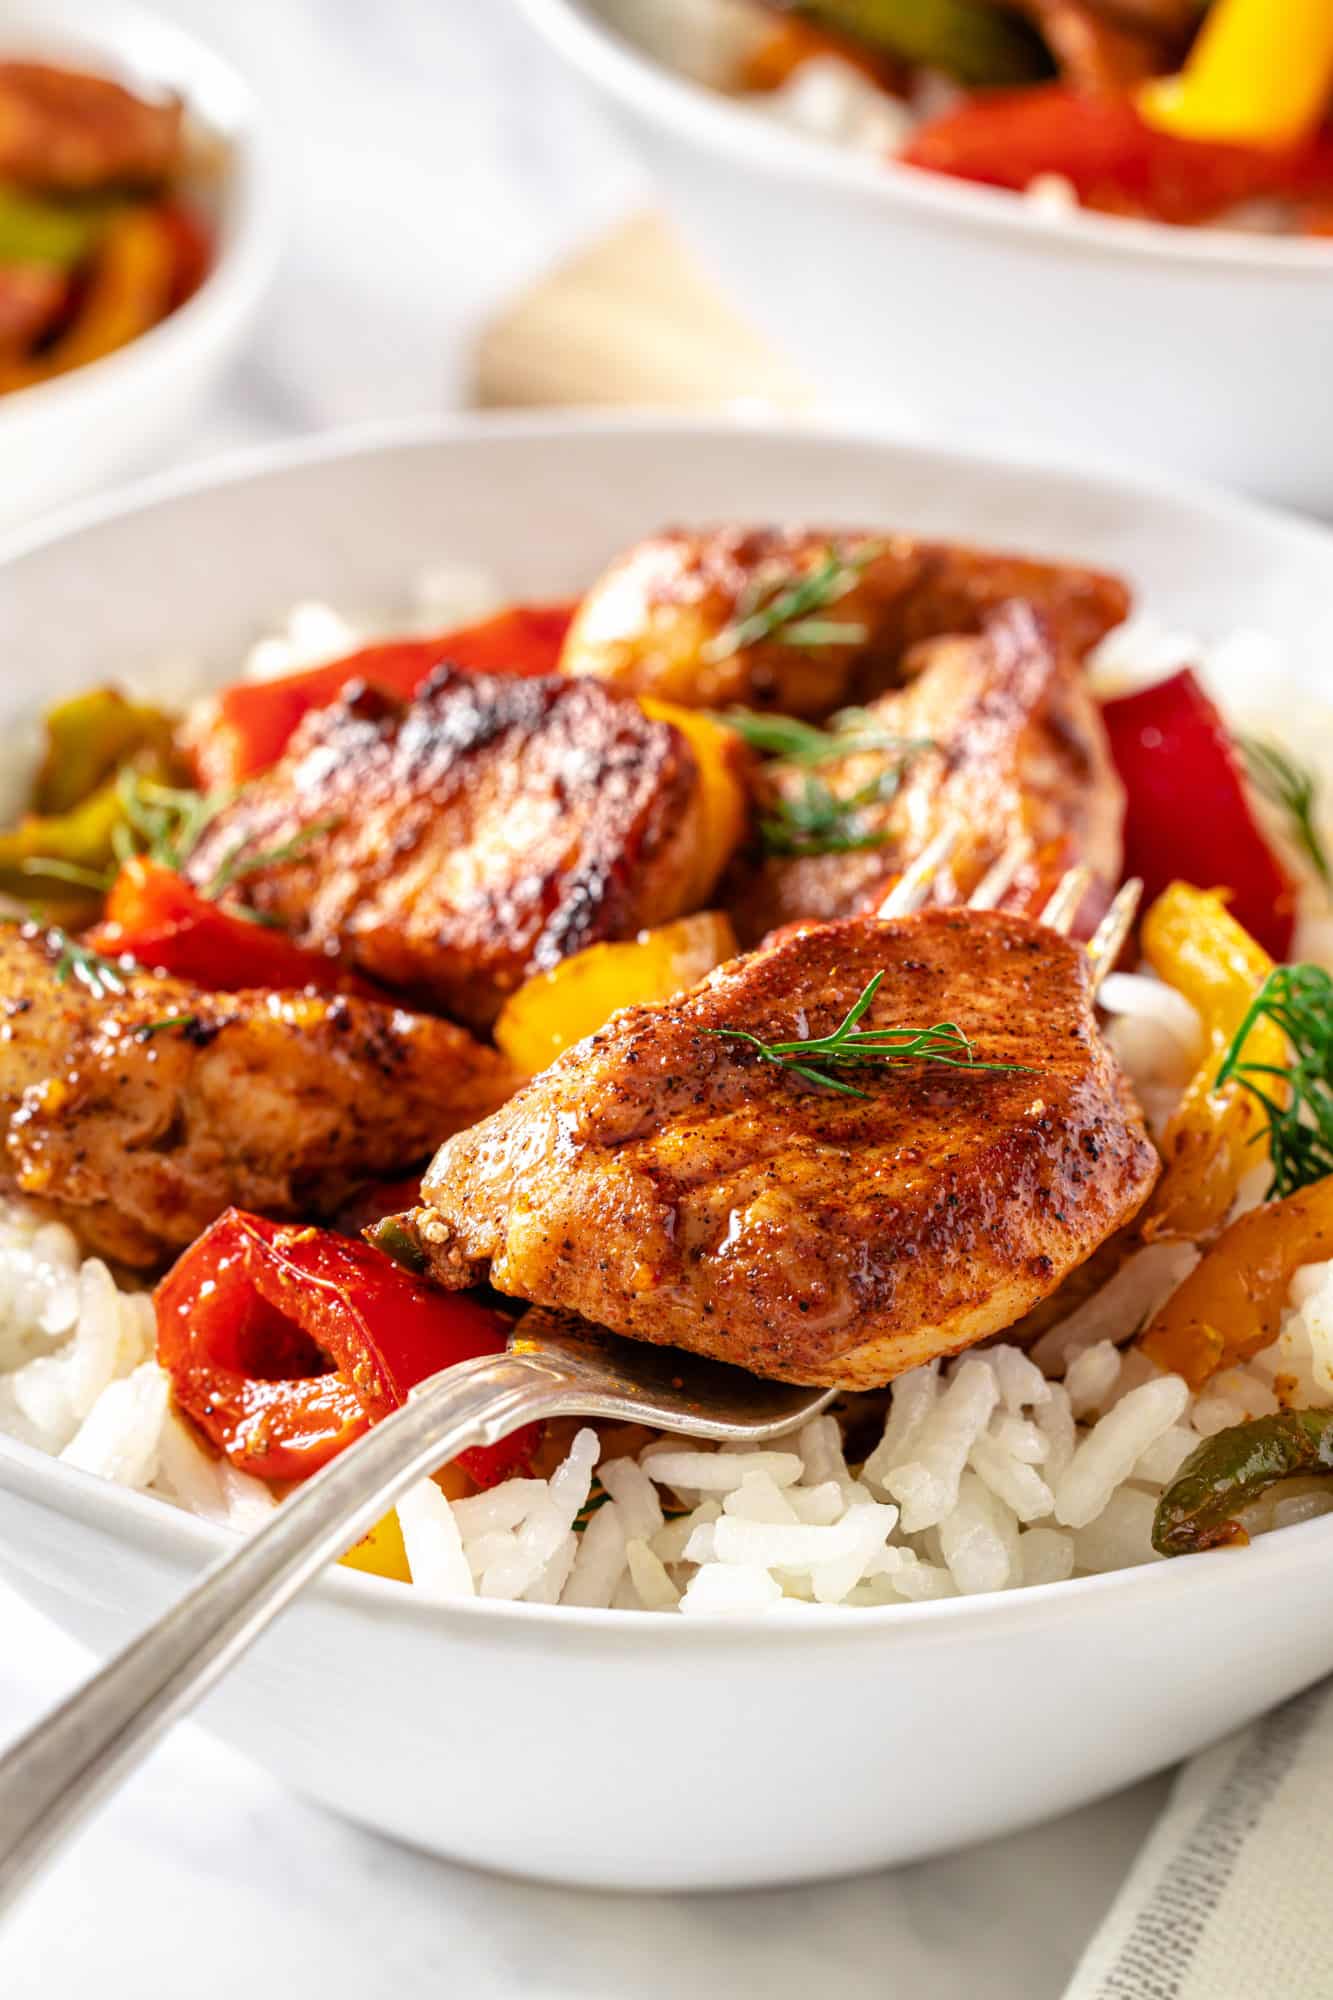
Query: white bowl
[(964, 311), (607, 1748), (63, 437)]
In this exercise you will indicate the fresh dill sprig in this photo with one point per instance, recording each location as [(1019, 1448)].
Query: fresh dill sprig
[(785, 608), (851, 731), (852, 1046), (1277, 777), (236, 864), (1298, 1100), (101, 976), (818, 821), (146, 1032), (165, 822)]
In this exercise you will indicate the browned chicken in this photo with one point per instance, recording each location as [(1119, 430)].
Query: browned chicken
[(677, 1186), (802, 622), (140, 1115), (453, 845), (69, 133), (996, 736)]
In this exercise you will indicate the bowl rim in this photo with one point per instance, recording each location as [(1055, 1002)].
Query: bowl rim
[(251, 211), (725, 126), (161, 1529)]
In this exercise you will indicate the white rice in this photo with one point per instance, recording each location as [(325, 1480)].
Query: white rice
[(987, 1474)]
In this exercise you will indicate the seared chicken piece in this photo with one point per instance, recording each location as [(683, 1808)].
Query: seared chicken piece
[(1017, 748), (140, 1115), (453, 845), (669, 618), (69, 133), (678, 1187)]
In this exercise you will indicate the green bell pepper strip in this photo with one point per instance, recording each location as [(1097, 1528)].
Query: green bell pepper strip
[(1236, 1466), (33, 231), (88, 739), (970, 40)]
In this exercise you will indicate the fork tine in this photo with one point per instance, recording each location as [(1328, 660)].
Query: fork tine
[(910, 890), (1106, 941), (1000, 877), (1063, 907)]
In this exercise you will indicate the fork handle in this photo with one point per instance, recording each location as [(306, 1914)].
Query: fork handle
[(52, 1777)]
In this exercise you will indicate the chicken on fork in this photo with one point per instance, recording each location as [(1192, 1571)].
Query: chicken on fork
[(803, 622), (995, 736), (702, 1173)]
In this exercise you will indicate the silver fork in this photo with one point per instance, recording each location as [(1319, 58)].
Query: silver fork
[(910, 891), (555, 1366)]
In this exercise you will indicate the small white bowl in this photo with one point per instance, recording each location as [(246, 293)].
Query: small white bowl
[(964, 312), (607, 1748), (63, 437)]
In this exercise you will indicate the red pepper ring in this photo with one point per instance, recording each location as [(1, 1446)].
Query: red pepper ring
[(252, 1315)]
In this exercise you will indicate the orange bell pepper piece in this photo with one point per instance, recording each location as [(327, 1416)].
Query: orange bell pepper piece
[(1231, 1304)]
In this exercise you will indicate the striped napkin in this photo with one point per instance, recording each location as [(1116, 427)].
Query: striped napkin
[(1231, 1898)]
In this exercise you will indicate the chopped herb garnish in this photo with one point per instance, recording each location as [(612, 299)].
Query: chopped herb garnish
[(795, 742), (1298, 1101), (236, 864), (151, 1028), (1294, 787), (100, 975), (851, 1046), (817, 821), (783, 608), (165, 822)]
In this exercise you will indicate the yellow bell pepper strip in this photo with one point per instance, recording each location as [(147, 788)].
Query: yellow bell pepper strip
[(1260, 74), (1234, 1468), (1230, 1305), (129, 290), (723, 762), (381, 1551), (88, 738), (553, 1010), (1191, 941), (64, 858)]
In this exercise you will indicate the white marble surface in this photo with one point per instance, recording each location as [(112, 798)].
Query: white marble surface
[(437, 161)]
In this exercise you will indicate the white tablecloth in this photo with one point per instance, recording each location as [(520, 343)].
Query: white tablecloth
[(438, 161)]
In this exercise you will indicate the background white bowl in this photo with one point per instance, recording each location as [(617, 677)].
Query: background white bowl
[(605, 1748), (963, 311), (63, 437)]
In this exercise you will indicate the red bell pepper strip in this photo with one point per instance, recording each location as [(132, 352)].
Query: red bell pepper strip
[(1187, 815), (285, 1343), (158, 919), (1113, 158), (245, 728), (192, 241)]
